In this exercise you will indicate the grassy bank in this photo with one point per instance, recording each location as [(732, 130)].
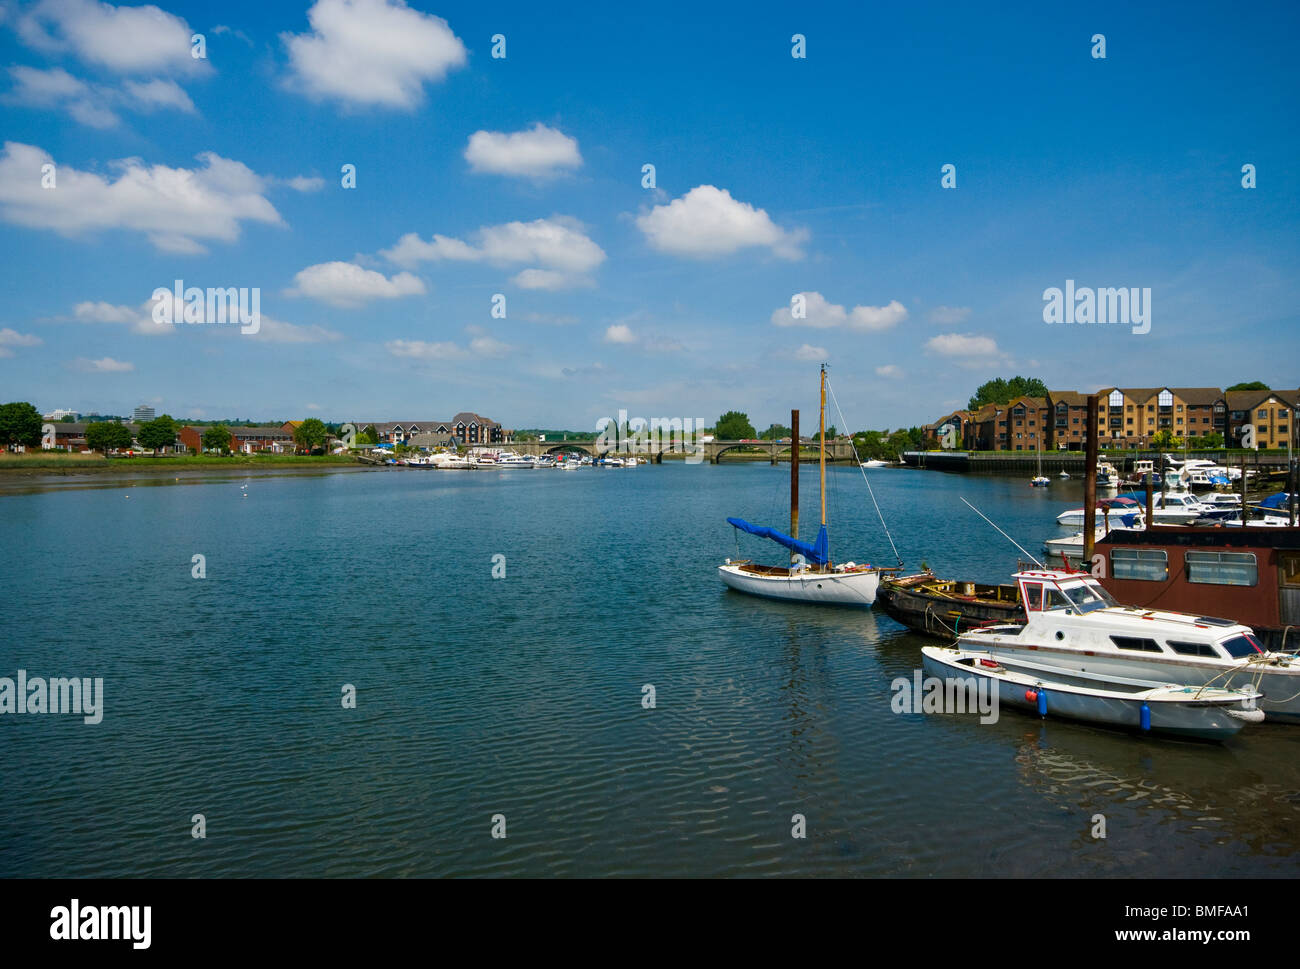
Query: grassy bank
[(57, 461)]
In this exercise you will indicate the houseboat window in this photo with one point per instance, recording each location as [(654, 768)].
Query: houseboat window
[(1137, 643), (1148, 564), (1291, 568), (1222, 568), (1239, 647), (1193, 649)]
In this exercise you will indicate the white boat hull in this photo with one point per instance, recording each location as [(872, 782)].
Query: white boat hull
[(830, 588)]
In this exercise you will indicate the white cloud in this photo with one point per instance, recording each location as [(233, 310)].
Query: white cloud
[(486, 346), (949, 315), (305, 183), (371, 53), (140, 320), (619, 333), (173, 207), (102, 365), (92, 105), (158, 93), (875, 318), (707, 222), (538, 152), (889, 370), (102, 312), (278, 331), (12, 338), (127, 40), (810, 352), (962, 345), (347, 284), (559, 246), (420, 350), (819, 313)]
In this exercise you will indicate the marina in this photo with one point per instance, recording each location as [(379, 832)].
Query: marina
[(795, 715)]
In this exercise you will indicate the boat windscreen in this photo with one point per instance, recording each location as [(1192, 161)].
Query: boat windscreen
[(1239, 647), (1089, 596)]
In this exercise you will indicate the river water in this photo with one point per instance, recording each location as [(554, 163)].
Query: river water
[(516, 702)]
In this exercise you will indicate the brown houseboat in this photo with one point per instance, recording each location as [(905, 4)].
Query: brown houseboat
[(1251, 575)]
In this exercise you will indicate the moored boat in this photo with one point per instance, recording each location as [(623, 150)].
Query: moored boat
[(927, 604), (1147, 706), (1073, 624), (811, 576)]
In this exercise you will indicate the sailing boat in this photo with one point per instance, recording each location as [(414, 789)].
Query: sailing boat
[(1040, 481), (811, 576)]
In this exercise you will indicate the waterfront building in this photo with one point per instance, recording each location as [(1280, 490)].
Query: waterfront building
[(1127, 417)]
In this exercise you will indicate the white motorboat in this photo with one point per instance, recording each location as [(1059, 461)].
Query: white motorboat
[(874, 463), (447, 461), (1064, 475), (1070, 547), (811, 576), (1190, 712), (510, 461), (1073, 624), (1111, 507)]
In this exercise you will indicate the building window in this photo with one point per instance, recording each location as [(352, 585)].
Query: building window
[(1165, 398), (1147, 564), (1222, 568), (1116, 399)]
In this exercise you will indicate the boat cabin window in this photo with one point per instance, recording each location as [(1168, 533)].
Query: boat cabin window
[(1239, 647), (1147, 564), (1137, 644), (1222, 568), (1033, 593), (1089, 596), (1193, 649), (1055, 599)]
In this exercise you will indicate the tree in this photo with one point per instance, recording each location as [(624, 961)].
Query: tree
[(1162, 439), (735, 426), (775, 433), (310, 434), (1251, 385), (216, 438), (830, 434), (1001, 391), (20, 423), (368, 437), (108, 436), (1212, 440), (158, 433)]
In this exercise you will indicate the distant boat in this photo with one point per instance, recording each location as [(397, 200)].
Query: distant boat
[(873, 463), (811, 576), (1064, 475), (1039, 481)]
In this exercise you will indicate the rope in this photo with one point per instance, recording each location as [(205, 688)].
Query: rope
[(845, 424)]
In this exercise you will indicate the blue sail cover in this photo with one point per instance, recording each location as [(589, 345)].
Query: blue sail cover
[(1278, 501), (818, 553)]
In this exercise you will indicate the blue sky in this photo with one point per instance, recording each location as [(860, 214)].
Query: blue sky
[(522, 176)]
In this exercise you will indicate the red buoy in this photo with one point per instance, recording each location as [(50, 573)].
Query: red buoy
[(1031, 695)]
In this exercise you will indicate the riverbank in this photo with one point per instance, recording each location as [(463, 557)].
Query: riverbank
[(54, 462)]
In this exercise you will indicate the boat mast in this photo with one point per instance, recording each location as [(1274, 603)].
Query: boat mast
[(794, 475), (821, 421)]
